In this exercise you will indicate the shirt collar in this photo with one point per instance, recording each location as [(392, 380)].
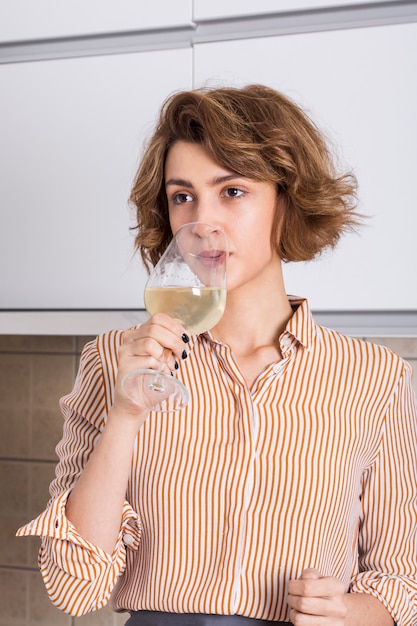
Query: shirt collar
[(301, 325)]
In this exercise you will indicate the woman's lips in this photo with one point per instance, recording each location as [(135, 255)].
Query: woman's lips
[(211, 258)]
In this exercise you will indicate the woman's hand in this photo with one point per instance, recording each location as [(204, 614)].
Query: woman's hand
[(159, 344), (316, 600)]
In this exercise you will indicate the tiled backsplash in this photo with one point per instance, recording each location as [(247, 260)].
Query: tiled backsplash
[(35, 371)]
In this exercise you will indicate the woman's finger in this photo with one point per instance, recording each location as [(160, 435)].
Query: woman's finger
[(140, 341), (317, 596)]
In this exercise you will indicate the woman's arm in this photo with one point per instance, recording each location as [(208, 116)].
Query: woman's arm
[(96, 501)]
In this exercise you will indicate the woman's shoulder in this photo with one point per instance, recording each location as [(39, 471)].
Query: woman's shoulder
[(359, 349), (103, 347), (372, 369), (99, 356), (93, 389)]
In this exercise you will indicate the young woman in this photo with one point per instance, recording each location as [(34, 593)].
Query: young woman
[(286, 489)]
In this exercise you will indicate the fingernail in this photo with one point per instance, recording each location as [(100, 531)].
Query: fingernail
[(185, 338), (184, 354), (176, 365)]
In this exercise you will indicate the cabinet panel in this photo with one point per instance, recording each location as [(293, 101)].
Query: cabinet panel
[(44, 19), (359, 85), (233, 8), (72, 132)]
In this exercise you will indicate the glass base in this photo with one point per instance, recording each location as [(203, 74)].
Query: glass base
[(154, 390)]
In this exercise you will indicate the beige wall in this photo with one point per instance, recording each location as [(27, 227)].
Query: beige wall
[(34, 372)]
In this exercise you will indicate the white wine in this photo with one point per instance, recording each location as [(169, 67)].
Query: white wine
[(197, 308)]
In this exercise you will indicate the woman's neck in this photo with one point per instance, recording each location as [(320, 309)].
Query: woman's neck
[(254, 320)]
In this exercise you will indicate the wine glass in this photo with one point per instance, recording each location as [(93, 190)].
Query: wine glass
[(189, 284)]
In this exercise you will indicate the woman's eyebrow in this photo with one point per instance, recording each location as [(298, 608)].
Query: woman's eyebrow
[(178, 182), (217, 180)]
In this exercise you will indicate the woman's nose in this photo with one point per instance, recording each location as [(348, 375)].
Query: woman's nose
[(210, 236), (204, 229), (206, 210)]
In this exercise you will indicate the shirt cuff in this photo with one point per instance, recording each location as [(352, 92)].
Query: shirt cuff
[(54, 523)]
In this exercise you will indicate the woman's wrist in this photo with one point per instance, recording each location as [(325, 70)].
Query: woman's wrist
[(366, 610)]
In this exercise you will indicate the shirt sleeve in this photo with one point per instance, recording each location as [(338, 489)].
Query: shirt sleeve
[(388, 530), (79, 576)]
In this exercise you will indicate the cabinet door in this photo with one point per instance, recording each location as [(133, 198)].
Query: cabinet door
[(359, 86), (215, 9), (43, 19), (72, 132)]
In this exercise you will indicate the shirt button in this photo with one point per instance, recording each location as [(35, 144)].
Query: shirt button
[(128, 539), (286, 342)]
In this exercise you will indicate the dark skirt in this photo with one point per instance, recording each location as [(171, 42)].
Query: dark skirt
[(156, 618)]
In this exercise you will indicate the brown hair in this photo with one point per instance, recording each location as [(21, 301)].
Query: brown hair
[(258, 133)]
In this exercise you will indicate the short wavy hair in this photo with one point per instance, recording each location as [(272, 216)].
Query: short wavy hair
[(259, 133)]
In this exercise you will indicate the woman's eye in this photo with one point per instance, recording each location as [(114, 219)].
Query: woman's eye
[(181, 198), (233, 192)]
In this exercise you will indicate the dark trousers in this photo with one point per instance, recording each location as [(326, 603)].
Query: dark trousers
[(156, 618)]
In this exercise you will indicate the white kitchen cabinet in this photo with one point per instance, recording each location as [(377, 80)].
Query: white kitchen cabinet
[(72, 127), (22, 20), (359, 85), (216, 9), (72, 132)]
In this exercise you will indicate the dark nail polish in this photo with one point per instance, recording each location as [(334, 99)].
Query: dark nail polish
[(185, 338), (184, 354), (176, 365)]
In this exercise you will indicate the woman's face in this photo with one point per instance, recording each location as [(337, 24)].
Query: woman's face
[(200, 190)]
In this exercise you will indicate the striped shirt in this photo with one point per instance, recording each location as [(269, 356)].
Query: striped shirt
[(239, 492)]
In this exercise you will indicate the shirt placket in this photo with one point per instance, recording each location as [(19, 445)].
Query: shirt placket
[(247, 429), (242, 547), (254, 399)]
